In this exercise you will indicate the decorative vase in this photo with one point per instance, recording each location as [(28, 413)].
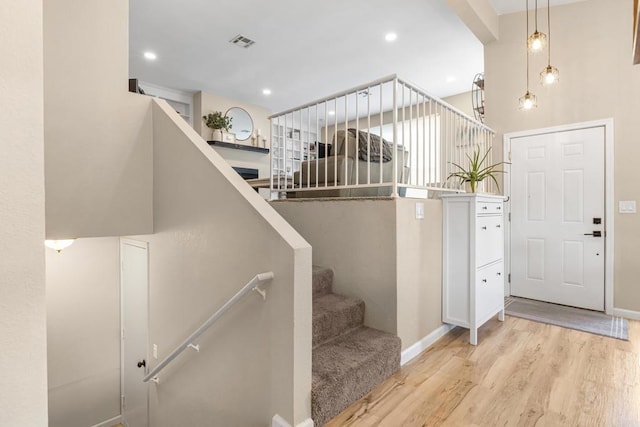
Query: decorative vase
[(479, 187), (216, 135)]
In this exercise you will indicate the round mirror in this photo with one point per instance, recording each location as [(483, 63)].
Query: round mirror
[(241, 123)]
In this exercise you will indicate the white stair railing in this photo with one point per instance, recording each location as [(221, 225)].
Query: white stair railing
[(336, 143), (252, 285)]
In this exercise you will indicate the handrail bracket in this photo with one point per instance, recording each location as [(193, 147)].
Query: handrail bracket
[(262, 292)]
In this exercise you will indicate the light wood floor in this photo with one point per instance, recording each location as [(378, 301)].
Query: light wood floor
[(522, 373)]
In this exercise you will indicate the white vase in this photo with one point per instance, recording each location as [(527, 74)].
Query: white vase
[(216, 135), (479, 187)]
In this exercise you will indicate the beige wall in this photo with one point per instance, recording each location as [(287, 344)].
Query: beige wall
[(380, 253), (83, 333), (592, 49), (23, 364), (213, 233), (356, 238), (479, 16), (97, 135), (462, 102), (419, 269)]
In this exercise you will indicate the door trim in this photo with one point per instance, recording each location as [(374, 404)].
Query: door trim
[(607, 124), (145, 246)]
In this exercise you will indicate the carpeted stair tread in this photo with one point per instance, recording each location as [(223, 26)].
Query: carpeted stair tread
[(322, 280), (333, 315), (350, 366)]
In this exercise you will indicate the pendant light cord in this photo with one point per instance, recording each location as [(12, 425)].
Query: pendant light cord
[(548, 31), (526, 38), (535, 16)]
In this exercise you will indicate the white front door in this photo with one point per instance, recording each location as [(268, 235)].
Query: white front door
[(557, 211), (134, 312)]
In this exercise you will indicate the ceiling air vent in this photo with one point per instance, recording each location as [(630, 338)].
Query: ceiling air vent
[(242, 41)]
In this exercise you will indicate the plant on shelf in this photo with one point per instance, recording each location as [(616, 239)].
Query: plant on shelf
[(216, 120), (219, 123), (476, 172)]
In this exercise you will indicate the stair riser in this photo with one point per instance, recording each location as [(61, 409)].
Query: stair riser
[(329, 401), (322, 282), (330, 325)]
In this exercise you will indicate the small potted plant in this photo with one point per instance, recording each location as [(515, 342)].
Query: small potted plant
[(476, 172), (220, 125)]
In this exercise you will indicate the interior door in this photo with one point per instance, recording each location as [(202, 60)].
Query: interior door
[(134, 311), (557, 217)]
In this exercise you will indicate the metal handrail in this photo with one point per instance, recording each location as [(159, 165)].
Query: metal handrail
[(252, 285)]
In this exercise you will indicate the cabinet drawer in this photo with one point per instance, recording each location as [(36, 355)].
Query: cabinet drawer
[(489, 239), (489, 208), (489, 289)]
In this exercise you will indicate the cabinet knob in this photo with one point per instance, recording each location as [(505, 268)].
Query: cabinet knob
[(484, 228), (484, 207), (499, 207), (484, 280), (498, 226), (499, 274)]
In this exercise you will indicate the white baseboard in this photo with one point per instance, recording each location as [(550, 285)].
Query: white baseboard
[(410, 352), (110, 422), (627, 314), (278, 421)]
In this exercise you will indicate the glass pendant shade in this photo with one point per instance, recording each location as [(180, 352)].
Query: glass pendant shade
[(536, 42), (549, 75), (527, 101)]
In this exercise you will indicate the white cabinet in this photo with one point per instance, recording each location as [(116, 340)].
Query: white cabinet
[(473, 260)]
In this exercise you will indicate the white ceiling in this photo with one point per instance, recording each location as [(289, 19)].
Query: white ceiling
[(304, 50), (509, 6)]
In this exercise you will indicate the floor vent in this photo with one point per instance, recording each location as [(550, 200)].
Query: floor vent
[(242, 41)]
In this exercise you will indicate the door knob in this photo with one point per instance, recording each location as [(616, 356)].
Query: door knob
[(594, 234), (142, 363)]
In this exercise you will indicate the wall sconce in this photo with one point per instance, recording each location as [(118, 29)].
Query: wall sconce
[(59, 245)]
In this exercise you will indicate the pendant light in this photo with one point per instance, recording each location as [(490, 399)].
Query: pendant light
[(536, 41), (528, 100), (550, 74)]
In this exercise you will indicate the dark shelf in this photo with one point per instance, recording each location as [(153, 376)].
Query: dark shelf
[(239, 146)]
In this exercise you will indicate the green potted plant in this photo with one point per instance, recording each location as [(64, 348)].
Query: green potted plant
[(220, 125), (476, 172)]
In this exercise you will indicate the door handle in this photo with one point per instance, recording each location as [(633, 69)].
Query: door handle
[(594, 234), (142, 363)]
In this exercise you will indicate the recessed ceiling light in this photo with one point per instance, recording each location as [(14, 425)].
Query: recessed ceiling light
[(390, 37), (332, 113), (266, 91), (451, 79), (150, 56)]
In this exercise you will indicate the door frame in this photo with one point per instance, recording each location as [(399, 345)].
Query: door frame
[(145, 246), (607, 124)]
